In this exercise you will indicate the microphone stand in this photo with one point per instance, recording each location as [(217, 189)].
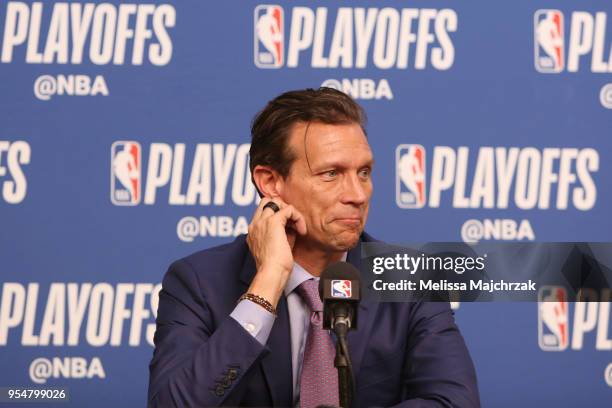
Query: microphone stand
[(342, 362)]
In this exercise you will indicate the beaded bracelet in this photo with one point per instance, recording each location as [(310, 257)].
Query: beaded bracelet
[(260, 301)]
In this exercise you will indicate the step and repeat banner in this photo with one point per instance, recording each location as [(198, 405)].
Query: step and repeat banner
[(124, 138)]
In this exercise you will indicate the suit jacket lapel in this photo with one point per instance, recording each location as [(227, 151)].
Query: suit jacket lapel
[(358, 339), (277, 364)]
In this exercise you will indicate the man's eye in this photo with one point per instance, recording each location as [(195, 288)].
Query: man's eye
[(365, 173), (331, 173)]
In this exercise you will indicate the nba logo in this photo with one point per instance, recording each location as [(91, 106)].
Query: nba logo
[(341, 288), (125, 173), (269, 36), (553, 331), (410, 176), (548, 41)]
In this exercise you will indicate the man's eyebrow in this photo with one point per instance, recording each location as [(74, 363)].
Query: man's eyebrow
[(333, 163)]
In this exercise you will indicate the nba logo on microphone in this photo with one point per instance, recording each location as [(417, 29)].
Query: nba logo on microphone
[(410, 176), (553, 318), (548, 41), (341, 288), (269, 36), (125, 173)]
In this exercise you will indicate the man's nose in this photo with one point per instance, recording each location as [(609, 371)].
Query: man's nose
[(355, 190)]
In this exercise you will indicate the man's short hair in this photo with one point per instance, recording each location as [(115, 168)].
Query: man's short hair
[(271, 127)]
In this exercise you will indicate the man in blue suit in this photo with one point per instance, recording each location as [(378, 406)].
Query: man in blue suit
[(236, 325)]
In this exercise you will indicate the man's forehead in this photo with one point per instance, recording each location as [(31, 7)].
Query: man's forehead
[(317, 145), (317, 135)]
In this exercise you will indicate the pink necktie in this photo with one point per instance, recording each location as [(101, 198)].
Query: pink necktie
[(319, 378)]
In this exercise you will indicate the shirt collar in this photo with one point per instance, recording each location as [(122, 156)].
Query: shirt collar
[(299, 275)]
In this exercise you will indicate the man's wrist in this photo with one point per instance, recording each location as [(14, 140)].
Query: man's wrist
[(259, 300), (269, 284)]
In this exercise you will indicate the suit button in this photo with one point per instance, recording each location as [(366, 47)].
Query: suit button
[(219, 391), (232, 373), (226, 383)]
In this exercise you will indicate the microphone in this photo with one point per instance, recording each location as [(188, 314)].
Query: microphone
[(340, 292)]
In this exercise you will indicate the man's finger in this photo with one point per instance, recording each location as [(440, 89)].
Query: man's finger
[(271, 205), (260, 208), (268, 212), (290, 216)]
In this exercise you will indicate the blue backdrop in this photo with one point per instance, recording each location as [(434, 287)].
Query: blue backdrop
[(123, 146)]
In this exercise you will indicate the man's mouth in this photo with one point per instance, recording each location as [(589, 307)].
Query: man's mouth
[(349, 220)]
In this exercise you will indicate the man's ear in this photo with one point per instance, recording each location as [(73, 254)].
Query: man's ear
[(267, 180)]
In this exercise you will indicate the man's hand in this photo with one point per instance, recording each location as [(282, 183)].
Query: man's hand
[(271, 239)]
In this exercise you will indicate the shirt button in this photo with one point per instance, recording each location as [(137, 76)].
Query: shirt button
[(250, 327)]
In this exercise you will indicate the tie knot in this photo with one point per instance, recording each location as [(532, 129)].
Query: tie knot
[(309, 291)]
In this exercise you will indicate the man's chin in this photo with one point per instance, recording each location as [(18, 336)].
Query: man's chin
[(347, 239)]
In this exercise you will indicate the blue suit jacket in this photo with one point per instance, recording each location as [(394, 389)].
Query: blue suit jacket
[(411, 354)]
